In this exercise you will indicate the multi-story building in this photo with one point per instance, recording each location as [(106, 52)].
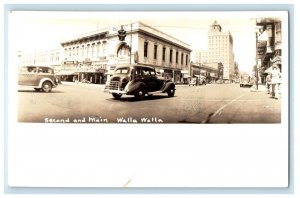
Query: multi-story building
[(41, 58), (95, 55), (220, 50), (268, 51)]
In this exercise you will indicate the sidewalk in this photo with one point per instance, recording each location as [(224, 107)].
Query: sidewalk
[(261, 88), (101, 86)]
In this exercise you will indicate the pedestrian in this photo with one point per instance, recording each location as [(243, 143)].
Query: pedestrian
[(275, 80), (268, 82)]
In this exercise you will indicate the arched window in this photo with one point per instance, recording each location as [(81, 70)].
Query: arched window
[(123, 51)]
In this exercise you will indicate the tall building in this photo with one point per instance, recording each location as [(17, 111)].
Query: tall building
[(220, 50), (95, 55)]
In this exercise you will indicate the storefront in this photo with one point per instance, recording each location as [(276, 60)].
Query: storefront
[(168, 74), (185, 76)]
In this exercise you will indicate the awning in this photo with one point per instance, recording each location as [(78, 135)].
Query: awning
[(66, 72), (200, 76), (186, 76), (269, 70), (277, 60)]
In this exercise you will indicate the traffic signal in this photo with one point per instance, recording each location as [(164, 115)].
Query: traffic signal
[(122, 34)]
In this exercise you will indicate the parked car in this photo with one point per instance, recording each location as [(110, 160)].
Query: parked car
[(41, 78), (138, 81), (202, 80), (198, 81)]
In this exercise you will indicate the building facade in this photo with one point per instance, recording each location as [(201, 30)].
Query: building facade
[(94, 55), (220, 50), (268, 52), (41, 58), (211, 71)]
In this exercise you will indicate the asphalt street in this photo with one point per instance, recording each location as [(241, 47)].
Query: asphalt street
[(87, 103)]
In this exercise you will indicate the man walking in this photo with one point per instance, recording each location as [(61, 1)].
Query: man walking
[(275, 79)]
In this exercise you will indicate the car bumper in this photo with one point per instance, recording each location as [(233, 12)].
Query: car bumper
[(114, 91)]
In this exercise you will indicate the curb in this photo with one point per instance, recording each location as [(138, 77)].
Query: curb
[(83, 84)]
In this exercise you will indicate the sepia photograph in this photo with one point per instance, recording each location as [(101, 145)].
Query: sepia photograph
[(149, 67), (169, 99)]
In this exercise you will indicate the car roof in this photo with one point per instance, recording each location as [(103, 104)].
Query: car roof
[(37, 66), (134, 66)]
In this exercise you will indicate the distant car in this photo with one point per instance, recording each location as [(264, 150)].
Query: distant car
[(138, 81), (202, 81), (245, 81), (41, 78), (197, 81), (193, 82)]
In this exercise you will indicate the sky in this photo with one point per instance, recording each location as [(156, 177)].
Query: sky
[(44, 30)]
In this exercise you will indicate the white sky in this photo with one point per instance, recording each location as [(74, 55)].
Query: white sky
[(43, 30)]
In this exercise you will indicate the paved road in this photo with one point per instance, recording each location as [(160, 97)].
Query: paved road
[(213, 103)]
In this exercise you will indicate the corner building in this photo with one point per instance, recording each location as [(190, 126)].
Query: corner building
[(95, 55), (220, 50)]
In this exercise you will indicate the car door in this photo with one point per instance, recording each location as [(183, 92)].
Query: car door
[(44, 72), (151, 79)]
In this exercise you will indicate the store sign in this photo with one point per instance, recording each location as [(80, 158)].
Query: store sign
[(69, 62)]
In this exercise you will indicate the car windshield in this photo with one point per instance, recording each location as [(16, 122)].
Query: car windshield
[(122, 70)]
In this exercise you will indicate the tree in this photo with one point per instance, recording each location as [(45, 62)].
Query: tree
[(236, 69)]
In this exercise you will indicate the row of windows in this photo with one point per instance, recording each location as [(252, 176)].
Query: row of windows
[(54, 57), (164, 54), (90, 50)]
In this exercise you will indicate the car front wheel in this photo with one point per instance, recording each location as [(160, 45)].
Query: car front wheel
[(171, 92), (47, 86), (117, 96)]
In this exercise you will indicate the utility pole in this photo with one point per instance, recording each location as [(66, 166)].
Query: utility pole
[(256, 68), (130, 49)]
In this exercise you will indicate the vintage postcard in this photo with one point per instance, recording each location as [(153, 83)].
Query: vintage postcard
[(148, 99), (149, 68)]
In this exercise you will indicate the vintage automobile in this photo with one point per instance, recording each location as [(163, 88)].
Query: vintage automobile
[(198, 81), (41, 78), (193, 82), (245, 81), (139, 81)]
